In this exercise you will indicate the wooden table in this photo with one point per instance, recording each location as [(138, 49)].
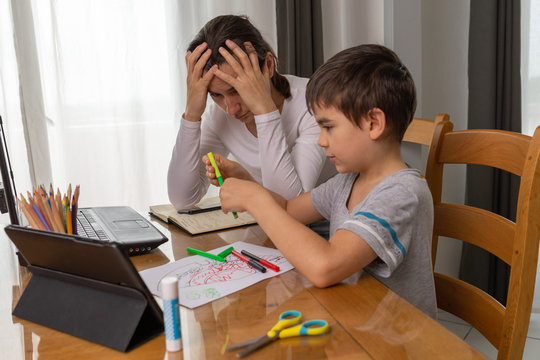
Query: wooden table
[(367, 320)]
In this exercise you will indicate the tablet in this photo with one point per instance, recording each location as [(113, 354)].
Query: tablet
[(87, 288)]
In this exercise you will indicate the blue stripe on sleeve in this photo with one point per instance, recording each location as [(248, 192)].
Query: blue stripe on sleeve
[(387, 226)]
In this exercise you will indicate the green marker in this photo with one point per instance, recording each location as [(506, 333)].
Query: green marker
[(205, 254), (218, 174), (225, 252)]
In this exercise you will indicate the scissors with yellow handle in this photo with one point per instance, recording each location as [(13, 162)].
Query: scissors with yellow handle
[(287, 326)]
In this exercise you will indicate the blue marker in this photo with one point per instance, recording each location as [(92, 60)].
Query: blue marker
[(171, 313)]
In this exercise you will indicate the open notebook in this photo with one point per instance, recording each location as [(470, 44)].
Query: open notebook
[(201, 222)]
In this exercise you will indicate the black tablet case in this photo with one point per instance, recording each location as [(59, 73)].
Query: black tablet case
[(88, 289)]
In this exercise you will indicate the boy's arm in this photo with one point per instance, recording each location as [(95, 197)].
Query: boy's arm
[(300, 208), (322, 262), (235, 193)]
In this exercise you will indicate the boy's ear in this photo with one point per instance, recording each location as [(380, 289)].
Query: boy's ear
[(269, 63), (377, 123)]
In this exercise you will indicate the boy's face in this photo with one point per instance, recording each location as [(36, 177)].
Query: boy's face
[(346, 144)]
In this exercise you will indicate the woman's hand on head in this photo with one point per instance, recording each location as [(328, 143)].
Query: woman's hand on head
[(197, 82), (252, 84), (227, 168)]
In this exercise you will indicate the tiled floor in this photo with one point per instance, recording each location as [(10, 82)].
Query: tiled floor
[(475, 339)]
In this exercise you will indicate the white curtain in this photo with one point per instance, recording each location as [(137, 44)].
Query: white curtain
[(530, 95), (103, 86), (10, 105), (530, 64)]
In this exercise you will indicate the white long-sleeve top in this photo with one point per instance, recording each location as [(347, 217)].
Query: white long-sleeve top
[(284, 158)]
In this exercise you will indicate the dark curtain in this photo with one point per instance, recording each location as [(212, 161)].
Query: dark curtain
[(494, 103), (299, 36)]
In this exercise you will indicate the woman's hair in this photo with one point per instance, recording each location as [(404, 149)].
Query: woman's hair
[(361, 78), (238, 29)]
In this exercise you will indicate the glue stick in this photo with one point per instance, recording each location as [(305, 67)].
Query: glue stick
[(171, 313)]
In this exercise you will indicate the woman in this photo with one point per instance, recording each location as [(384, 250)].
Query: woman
[(258, 115)]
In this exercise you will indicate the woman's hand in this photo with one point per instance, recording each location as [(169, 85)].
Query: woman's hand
[(227, 168), (197, 82), (251, 84)]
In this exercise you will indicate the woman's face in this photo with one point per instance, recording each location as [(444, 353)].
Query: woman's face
[(227, 98)]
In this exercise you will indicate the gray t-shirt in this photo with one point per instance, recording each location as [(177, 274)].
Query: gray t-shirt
[(396, 220)]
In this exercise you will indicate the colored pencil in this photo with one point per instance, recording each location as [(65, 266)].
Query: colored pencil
[(46, 210), (38, 212), (37, 205), (30, 215), (68, 219)]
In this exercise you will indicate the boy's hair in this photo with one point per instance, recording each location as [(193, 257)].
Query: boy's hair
[(360, 78), (239, 30)]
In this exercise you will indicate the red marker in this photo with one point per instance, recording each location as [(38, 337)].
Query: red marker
[(251, 262), (262, 261)]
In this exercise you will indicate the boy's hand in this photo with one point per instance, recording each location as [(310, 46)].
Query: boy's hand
[(252, 84), (227, 168), (197, 82), (237, 195)]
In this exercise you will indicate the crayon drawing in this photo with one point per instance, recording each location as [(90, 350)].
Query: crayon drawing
[(210, 293), (201, 280)]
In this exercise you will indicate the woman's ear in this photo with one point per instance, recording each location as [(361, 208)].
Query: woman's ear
[(269, 64), (377, 123)]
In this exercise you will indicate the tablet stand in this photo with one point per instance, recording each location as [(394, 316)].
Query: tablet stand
[(108, 314)]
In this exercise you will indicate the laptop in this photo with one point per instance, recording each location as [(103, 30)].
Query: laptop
[(85, 287), (119, 224)]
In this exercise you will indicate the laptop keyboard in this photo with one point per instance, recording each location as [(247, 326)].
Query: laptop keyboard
[(87, 227)]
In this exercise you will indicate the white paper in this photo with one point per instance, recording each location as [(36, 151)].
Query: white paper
[(202, 280)]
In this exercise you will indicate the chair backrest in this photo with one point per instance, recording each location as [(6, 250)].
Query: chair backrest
[(516, 243), (421, 131), (426, 132)]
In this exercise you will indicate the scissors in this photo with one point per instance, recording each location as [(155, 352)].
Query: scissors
[(284, 328)]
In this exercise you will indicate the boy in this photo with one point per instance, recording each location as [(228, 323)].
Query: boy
[(380, 211)]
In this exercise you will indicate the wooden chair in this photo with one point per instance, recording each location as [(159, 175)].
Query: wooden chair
[(424, 132), (421, 131), (514, 243)]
